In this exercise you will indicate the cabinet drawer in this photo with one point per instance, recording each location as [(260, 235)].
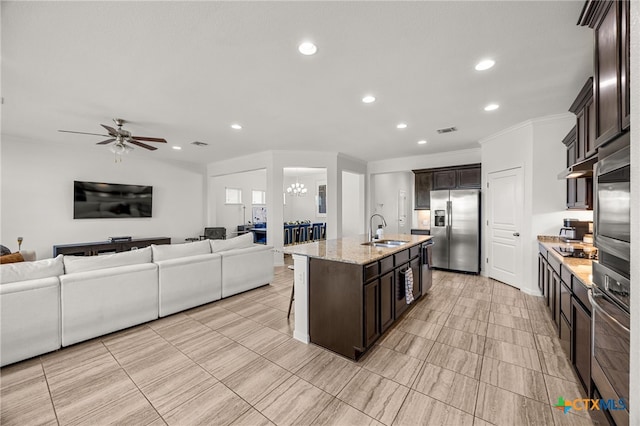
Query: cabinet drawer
[(580, 292), (555, 264), (414, 251), (372, 270), (386, 264), (566, 275), (401, 257), (542, 250)]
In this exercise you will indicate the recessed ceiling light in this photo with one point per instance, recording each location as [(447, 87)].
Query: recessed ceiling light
[(485, 64), (422, 142), (401, 126), (307, 48), (369, 99), (236, 126), (491, 107), (177, 148)]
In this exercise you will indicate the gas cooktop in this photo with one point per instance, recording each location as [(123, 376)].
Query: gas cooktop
[(570, 251)]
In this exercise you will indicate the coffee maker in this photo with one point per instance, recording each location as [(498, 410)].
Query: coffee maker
[(574, 230)]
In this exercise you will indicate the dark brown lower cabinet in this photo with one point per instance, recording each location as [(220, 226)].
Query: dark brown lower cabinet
[(542, 272), (581, 354), (401, 291), (554, 296), (417, 287), (387, 301), (371, 312)]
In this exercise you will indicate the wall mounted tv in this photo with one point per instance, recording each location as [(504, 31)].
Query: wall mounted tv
[(111, 200)]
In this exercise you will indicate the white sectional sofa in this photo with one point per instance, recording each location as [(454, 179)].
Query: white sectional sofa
[(51, 303), (29, 309)]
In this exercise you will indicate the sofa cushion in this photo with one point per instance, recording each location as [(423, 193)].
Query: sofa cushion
[(174, 251), (242, 241), (74, 264), (24, 271), (11, 258)]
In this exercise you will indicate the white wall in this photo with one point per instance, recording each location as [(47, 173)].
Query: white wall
[(232, 215), (536, 146), (37, 196), (303, 208), (385, 188), (353, 219)]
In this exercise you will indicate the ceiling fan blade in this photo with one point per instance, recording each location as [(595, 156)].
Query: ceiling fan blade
[(106, 142), (144, 138), (111, 130), (143, 145), (83, 133)]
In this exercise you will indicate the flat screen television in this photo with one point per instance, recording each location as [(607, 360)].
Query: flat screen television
[(93, 200)]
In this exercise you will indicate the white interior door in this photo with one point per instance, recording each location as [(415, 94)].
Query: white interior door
[(504, 219)]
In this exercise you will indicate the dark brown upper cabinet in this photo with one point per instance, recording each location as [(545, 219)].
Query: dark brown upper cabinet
[(458, 177), (580, 190), (610, 20), (584, 110)]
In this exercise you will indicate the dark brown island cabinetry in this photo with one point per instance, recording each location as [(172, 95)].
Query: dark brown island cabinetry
[(458, 177), (104, 247), (610, 20), (566, 297), (352, 305)]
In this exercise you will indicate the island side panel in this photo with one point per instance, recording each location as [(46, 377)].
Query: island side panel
[(335, 306), (301, 299)]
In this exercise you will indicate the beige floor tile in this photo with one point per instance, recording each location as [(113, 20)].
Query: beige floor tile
[(514, 311), (393, 365), (239, 328), (477, 293), (216, 405), (148, 366), (419, 409), (268, 314), (455, 359), (328, 372), (570, 419), (293, 355), (252, 417), (374, 395), (433, 302), (179, 332), (548, 344), (228, 360), (509, 299), (339, 413), (76, 356), (473, 303), (169, 391), (542, 314), (470, 313), (502, 407), (19, 372), (220, 319), (419, 328), (249, 308), (406, 343), (278, 302), (513, 354), (569, 390), (130, 408), (516, 379), (130, 339), (557, 366), (263, 340), (294, 402), (462, 340), (168, 320), (200, 346), (283, 325), (511, 335), (447, 386), (477, 421), (504, 320), (205, 313), (427, 315), (467, 324), (26, 400), (86, 371), (544, 326), (256, 380)]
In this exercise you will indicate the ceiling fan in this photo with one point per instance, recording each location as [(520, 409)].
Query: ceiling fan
[(120, 136)]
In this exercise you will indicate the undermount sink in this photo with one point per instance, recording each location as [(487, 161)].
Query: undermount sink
[(385, 243)]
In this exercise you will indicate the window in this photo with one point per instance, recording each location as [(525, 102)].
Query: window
[(233, 196), (258, 197)]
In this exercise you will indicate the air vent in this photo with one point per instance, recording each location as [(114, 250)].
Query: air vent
[(198, 143), (447, 130)]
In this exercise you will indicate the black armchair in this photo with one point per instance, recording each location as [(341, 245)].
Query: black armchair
[(217, 233)]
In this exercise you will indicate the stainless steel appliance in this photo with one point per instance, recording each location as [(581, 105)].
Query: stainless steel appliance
[(455, 228), (586, 252)]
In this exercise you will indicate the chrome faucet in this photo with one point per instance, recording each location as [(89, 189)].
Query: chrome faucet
[(371, 232)]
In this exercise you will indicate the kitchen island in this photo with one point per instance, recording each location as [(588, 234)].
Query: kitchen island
[(348, 291)]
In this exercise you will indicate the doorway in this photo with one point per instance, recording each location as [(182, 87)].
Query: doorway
[(504, 219), (352, 204)]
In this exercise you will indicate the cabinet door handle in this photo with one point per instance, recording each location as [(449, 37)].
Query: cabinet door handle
[(516, 234)]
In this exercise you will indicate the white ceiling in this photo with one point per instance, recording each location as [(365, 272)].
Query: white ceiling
[(186, 70)]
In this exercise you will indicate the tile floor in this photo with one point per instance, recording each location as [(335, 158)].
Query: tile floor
[(472, 352)]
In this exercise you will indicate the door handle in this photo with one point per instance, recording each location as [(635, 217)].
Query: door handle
[(516, 234)]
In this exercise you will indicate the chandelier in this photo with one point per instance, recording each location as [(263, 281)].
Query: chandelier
[(297, 189)]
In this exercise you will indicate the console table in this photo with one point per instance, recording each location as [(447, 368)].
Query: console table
[(101, 247)]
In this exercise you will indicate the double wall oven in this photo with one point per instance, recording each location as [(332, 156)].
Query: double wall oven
[(611, 293)]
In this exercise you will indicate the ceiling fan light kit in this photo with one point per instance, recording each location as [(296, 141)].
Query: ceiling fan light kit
[(118, 137)]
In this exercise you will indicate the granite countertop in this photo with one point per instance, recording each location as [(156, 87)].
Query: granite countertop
[(351, 250), (580, 268)]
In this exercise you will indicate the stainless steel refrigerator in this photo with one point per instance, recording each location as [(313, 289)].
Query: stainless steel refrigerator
[(455, 228)]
